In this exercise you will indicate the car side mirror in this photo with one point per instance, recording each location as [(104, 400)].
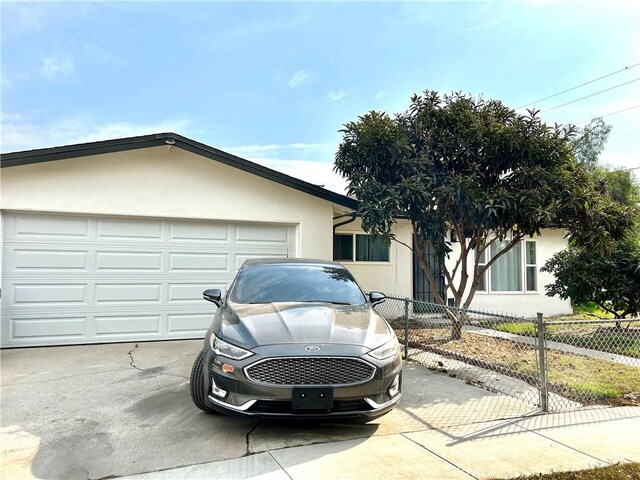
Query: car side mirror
[(213, 295), (376, 297)]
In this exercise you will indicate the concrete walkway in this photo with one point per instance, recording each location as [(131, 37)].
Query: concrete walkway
[(498, 449)]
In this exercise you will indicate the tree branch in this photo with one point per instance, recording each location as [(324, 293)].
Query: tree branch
[(402, 243), (516, 238)]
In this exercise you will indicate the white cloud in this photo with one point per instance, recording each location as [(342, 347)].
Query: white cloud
[(315, 169), (298, 78), (22, 133), (379, 94), (317, 173), (336, 95), (98, 54), (275, 149), (55, 66), (5, 82)]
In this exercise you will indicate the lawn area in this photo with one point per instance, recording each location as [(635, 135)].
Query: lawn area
[(583, 379), (605, 337)]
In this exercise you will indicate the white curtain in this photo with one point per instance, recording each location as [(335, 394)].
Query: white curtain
[(506, 273)]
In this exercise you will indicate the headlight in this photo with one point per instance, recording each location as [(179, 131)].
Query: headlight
[(386, 350), (220, 347)]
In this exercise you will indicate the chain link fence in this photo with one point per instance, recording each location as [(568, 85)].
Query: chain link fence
[(593, 362), (558, 365)]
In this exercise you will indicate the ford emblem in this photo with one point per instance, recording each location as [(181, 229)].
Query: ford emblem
[(312, 348)]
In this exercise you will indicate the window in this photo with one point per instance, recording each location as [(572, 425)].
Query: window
[(365, 248), (530, 266), (482, 286), (511, 270), (506, 273), (343, 247)]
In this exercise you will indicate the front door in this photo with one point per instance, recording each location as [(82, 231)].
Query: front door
[(422, 290)]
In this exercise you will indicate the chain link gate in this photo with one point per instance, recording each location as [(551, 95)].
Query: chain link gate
[(545, 364)]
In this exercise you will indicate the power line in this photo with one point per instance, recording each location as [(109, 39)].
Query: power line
[(592, 95), (609, 114), (578, 86)]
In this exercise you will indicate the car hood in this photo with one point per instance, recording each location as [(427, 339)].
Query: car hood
[(286, 323)]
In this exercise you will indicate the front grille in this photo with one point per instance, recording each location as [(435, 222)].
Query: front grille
[(289, 371), (280, 407)]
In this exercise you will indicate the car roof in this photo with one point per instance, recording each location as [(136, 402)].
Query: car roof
[(291, 261)]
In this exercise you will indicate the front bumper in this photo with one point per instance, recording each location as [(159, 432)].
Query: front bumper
[(355, 408), (237, 395)]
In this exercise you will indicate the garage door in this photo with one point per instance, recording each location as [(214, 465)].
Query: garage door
[(76, 279)]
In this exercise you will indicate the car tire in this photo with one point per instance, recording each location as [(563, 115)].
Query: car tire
[(197, 386)]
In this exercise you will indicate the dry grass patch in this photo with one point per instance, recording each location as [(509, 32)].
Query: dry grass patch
[(580, 378)]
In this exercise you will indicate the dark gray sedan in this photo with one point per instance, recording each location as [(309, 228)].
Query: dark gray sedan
[(297, 338)]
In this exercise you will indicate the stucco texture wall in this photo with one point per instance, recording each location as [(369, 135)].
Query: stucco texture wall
[(166, 182)]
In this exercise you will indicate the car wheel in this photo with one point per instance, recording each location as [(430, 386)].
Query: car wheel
[(197, 385)]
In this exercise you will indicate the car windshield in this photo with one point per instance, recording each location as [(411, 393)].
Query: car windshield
[(296, 283)]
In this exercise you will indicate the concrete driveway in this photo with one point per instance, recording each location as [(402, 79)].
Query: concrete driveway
[(113, 410)]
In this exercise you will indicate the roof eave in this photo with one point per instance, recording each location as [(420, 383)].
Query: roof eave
[(29, 157)]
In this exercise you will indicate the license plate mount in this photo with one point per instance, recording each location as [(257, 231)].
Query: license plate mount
[(312, 398)]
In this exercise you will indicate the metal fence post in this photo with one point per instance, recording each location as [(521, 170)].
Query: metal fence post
[(406, 328), (542, 353)]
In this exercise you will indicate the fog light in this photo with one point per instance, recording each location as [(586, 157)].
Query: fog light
[(218, 392), (394, 389), (226, 368)]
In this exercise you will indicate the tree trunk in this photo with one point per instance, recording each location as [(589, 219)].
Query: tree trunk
[(457, 320)]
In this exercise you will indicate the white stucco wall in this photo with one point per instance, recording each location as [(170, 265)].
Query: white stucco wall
[(166, 182), (529, 303), (394, 277)]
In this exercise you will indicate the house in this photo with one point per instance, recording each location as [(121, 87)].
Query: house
[(116, 240)]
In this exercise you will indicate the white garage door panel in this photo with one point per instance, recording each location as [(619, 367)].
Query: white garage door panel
[(128, 325), (130, 229), (44, 226), (128, 293), (188, 324), (37, 329), (189, 293), (43, 295), (128, 261), (47, 260), (198, 262), (74, 279), (200, 233)]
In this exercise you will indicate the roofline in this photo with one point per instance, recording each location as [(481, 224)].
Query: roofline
[(29, 157)]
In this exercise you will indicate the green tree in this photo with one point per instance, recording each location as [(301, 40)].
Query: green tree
[(611, 277), (474, 167), (590, 142), (612, 281)]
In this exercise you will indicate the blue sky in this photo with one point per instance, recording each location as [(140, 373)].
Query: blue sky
[(274, 81)]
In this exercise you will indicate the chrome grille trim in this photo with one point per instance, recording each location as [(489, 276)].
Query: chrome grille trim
[(312, 371)]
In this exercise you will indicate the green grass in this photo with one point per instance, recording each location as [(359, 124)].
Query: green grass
[(621, 471), (602, 337), (598, 380), (588, 310)]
